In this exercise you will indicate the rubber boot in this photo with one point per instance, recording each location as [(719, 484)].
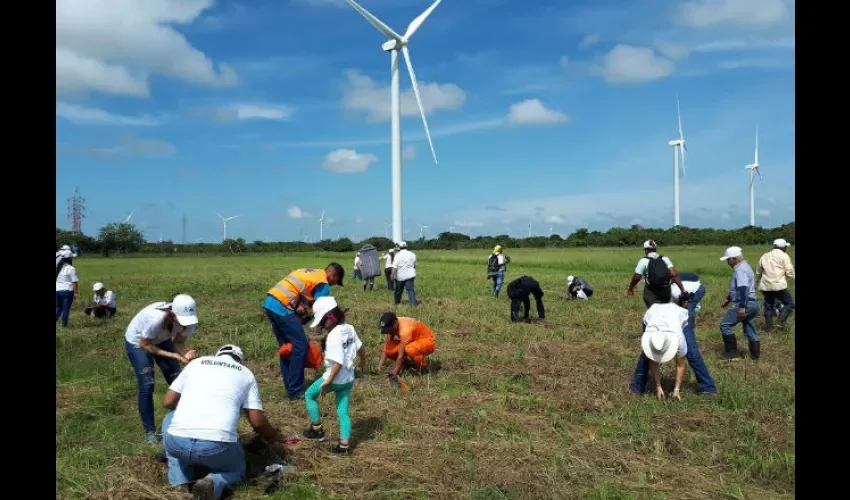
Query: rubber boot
[(730, 348), (783, 317), (371, 286), (768, 321), (755, 349)]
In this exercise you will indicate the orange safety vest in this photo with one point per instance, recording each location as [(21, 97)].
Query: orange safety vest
[(298, 282)]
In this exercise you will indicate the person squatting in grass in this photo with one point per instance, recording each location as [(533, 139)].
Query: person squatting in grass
[(657, 279), (200, 431), (664, 339), (690, 301), (742, 291), (67, 285), (518, 291), (104, 302), (408, 340), (288, 306), (158, 334), (578, 288), (342, 346)]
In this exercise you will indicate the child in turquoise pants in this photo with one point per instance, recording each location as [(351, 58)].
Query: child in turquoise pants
[(342, 346)]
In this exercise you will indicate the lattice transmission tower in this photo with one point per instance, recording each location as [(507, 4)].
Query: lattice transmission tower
[(76, 212)]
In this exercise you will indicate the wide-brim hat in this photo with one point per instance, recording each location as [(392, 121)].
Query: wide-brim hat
[(659, 345)]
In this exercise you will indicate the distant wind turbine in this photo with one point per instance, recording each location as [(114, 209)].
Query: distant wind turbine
[(128, 218), (753, 170), (322, 226), (422, 229), (224, 224), (529, 229), (451, 229), (387, 230), (679, 149)]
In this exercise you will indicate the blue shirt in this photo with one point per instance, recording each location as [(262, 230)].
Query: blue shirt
[(274, 305), (584, 284), (742, 278)]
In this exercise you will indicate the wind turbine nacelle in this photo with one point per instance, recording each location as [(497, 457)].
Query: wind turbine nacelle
[(390, 45), (673, 143)]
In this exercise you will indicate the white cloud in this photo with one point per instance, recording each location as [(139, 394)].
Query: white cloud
[(746, 45), (362, 94), (295, 212), (467, 224), (348, 161), (630, 64), (533, 112), (409, 152), (589, 41), (672, 50), (112, 47), (555, 219), (82, 115), (746, 13), (247, 111), (564, 62), (764, 212)]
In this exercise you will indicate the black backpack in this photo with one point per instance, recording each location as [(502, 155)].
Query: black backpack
[(493, 263), (657, 273)]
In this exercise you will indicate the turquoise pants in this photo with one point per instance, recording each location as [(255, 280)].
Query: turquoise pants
[(342, 393)]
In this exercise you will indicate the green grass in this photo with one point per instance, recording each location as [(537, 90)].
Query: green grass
[(514, 412)]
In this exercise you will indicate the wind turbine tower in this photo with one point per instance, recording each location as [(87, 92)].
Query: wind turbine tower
[(753, 170), (679, 149), (396, 44), (322, 226), (224, 224)]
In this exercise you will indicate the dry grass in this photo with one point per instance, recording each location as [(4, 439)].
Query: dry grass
[(533, 411)]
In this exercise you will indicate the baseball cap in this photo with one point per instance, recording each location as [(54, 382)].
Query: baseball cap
[(98, 286), (388, 319), (497, 248), (570, 279), (65, 247), (340, 272), (402, 244), (231, 349), (649, 244), (322, 306), (186, 310), (781, 243), (732, 252)]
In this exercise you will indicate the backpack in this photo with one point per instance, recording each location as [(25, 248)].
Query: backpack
[(493, 263), (657, 273)]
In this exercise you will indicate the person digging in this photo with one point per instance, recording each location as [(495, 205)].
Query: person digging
[(409, 341)]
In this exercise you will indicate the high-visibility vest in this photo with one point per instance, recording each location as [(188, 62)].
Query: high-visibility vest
[(299, 282)]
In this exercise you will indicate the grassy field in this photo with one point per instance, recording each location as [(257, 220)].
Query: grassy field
[(509, 411)]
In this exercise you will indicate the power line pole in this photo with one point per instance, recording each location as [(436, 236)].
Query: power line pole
[(76, 211)]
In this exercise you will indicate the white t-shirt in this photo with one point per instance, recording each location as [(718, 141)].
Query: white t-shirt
[(107, 300), (213, 390), (357, 262), (405, 265), (148, 324), (690, 286), (66, 279), (388, 261), (669, 318), (341, 346)]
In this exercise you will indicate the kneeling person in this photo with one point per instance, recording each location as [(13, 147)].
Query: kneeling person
[(407, 339), (578, 288), (104, 302)]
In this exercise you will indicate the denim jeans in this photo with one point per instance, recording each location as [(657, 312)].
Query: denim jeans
[(388, 273), (357, 274), (405, 285), (771, 298), (730, 320), (142, 362), (289, 329), (498, 281), (225, 461), (704, 381), (64, 299)]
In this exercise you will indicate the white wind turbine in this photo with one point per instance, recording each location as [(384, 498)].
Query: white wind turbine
[(451, 229), (529, 229), (754, 169), (224, 224), (679, 149), (422, 229), (393, 46), (322, 226), (387, 230)]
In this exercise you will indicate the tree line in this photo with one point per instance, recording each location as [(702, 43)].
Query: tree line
[(119, 238)]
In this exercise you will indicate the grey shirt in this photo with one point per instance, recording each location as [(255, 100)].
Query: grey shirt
[(742, 275)]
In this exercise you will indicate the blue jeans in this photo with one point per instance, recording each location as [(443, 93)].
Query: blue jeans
[(785, 298), (289, 329), (704, 381), (730, 320), (405, 285), (357, 274), (64, 299), (498, 281), (225, 461), (142, 362)]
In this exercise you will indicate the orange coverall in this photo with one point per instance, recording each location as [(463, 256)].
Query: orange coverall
[(419, 338)]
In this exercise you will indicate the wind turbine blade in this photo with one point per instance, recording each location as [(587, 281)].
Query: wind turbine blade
[(418, 99), (377, 23), (757, 146), (682, 154), (416, 23), (758, 171), (220, 216), (679, 114)]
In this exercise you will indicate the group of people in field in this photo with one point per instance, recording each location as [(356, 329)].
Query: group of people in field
[(207, 394)]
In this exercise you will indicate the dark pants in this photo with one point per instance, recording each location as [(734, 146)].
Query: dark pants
[(64, 299), (101, 311), (411, 291), (357, 274), (142, 362), (289, 329), (704, 381), (770, 299), (388, 273), (653, 295), (523, 298)]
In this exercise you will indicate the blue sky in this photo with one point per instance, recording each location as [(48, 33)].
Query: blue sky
[(558, 114)]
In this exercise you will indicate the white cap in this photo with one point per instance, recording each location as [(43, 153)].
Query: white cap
[(231, 349), (65, 247), (648, 244), (658, 345), (570, 279), (781, 243), (186, 310), (402, 244), (732, 252), (322, 306), (98, 286)]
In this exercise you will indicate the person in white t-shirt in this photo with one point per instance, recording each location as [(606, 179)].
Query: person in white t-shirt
[(358, 264), (342, 346), (201, 430), (158, 334), (104, 302), (404, 274), (664, 339), (67, 286), (388, 268)]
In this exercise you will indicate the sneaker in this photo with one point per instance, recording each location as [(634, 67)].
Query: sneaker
[(314, 434), (340, 450), (151, 438), (204, 489)]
